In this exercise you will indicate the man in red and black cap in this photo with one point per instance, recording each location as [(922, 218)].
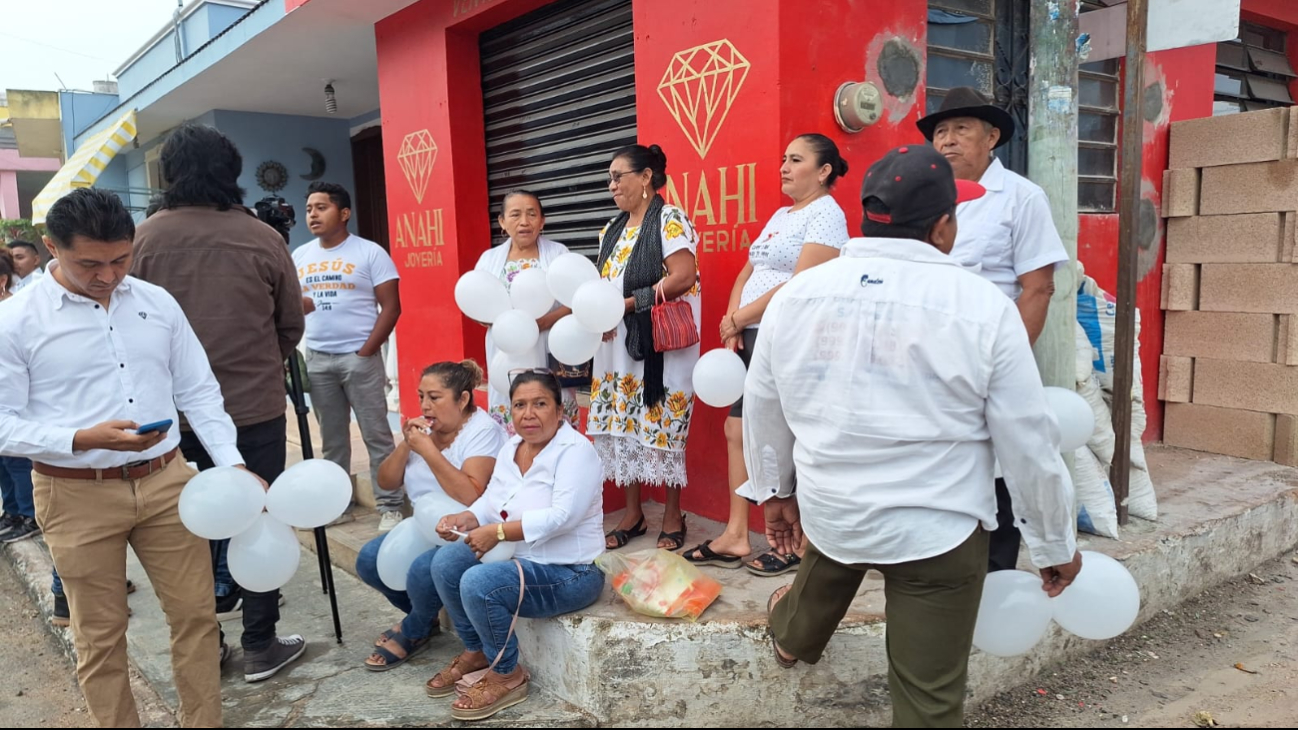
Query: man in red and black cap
[(884, 384), (1007, 236)]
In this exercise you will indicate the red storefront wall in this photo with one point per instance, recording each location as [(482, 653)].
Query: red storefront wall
[(727, 180)]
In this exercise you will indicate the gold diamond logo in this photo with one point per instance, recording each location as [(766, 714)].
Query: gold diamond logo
[(417, 154), (700, 86)]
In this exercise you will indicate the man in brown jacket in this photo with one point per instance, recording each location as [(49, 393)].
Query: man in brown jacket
[(237, 284)]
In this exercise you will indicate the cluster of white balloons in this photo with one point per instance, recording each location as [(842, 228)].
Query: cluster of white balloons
[(412, 538), (229, 503), (571, 280), (1015, 613)]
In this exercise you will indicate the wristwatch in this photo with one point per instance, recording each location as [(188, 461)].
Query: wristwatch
[(500, 531)]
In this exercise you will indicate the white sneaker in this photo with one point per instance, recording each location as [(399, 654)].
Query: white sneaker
[(389, 520)]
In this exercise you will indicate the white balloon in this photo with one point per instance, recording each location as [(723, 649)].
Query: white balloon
[(398, 552), (1075, 418), (598, 306), (481, 296), (529, 291), (719, 378), (265, 556), (1102, 602), (310, 494), (503, 363), (568, 272), (1014, 614), (572, 344), (430, 509), (500, 553), (515, 331), (222, 502)]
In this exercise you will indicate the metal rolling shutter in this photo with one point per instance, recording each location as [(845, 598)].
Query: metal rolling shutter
[(558, 89)]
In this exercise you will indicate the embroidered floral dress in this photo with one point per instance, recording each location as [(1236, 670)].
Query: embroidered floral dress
[(498, 403), (639, 444)]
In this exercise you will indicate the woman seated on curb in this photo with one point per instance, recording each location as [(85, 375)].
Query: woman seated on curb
[(547, 496), (451, 450)]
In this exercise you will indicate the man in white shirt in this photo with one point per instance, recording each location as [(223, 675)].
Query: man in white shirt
[(86, 357), (883, 385), (1007, 236), (350, 293), (27, 264)]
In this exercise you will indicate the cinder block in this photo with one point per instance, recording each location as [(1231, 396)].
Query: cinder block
[(1286, 346), (1180, 287), (1226, 431), (1230, 140), (1175, 379), (1286, 440), (1254, 238), (1259, 187), (1250, 386), (1288, 237), (1269, 288), (1221, 335), (1180, 193)]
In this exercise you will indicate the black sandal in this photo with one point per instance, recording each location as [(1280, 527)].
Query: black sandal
[(622, 537), (392, 661), (677, 538), (708, 556), (773, 564)]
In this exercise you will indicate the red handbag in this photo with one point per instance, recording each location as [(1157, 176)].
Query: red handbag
[(673, 322)]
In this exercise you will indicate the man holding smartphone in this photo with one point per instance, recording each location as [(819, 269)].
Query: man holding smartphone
[(86, 357)]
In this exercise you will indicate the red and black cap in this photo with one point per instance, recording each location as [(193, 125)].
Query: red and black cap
[(914, 184)]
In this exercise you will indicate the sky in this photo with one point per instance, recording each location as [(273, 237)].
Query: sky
[(79, 40)]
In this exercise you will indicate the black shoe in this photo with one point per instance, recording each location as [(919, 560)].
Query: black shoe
[(25, 528), (61, 615), (260, 665), (229, 607), (7, 523)]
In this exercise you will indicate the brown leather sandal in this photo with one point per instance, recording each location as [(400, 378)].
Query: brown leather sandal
[(779, 593), (491, 695), (460, 666)]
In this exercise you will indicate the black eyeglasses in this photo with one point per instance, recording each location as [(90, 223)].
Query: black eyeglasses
[(615, 178), (513, 374)]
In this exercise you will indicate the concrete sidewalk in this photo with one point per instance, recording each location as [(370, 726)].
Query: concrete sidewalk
[(1221, 517)]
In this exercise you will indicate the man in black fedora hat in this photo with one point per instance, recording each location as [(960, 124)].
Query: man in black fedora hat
[(1007, 236)]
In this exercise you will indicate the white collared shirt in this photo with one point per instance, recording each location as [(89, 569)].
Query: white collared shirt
[(1008, 232), (66, 365), (885, 379), (560, 500), (21, 282)]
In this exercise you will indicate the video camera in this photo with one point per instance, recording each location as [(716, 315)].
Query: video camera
[(275, 212)]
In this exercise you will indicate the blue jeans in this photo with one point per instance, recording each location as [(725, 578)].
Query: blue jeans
[(419, 601), (56, 585), (481, 598), (16, 486), (225, 584)]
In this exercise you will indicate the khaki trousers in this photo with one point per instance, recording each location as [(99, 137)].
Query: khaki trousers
[(931, 607), (87, 525)]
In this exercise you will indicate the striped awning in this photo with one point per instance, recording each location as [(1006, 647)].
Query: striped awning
[(83, 168)]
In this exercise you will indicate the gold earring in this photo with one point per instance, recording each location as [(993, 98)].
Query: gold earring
[(644, 194)]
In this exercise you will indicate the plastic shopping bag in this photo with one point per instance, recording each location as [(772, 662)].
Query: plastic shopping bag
[(659, 583)]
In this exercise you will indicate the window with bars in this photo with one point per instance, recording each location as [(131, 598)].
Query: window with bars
[(1253, 71), (1097, 135), (963, 51)]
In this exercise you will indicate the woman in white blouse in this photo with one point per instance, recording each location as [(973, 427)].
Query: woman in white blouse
[(522, 218), (798, 237), (546, 497), (447, 454)]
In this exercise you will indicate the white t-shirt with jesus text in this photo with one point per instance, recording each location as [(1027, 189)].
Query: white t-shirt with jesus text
[(341, 281)]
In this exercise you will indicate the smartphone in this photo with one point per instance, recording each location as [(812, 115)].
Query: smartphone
[(161, 426)]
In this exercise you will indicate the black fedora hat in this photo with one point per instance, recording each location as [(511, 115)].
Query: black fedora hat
[(964, 101)]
